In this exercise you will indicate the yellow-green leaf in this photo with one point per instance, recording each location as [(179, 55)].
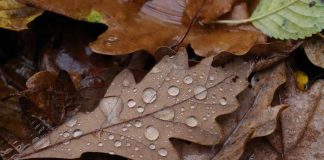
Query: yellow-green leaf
[(289, 19), (16, 16)]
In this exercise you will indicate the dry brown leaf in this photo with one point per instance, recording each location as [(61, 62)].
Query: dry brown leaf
[(192, 151), (135, 25), (314, 49), (256, 120), (260, 149), (137, 120), (302, 123), (209, 9)]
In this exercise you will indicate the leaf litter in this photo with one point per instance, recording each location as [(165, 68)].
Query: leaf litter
[(165, 20), (214, 109)]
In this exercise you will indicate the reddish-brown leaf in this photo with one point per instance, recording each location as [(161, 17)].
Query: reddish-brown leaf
[(134, 25)]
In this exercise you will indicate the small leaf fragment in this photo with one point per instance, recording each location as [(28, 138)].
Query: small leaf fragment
[(94, 17)]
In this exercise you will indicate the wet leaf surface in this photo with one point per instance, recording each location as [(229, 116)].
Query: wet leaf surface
[(135, 120)]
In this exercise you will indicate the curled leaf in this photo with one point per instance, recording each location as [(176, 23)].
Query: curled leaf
[(314, 49)]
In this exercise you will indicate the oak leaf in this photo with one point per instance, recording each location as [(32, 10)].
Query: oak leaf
[(255, 117), (301, 122), (136, 25), (138, 120)]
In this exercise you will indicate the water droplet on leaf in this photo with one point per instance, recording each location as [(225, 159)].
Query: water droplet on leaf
[(187, 80), (152, 146), (163, 152), (149, 95), (138, 124), (66, 134), (151, 133), (165, 114), (155, 70), (112, 38), (131, 103), (111, 137), (223, 101), (200, 92), (192, 121), (71, 123), (77, 133), (117, 144), (173, 91), (140, 109)]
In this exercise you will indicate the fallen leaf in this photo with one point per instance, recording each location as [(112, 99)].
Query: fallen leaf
[(290, 19), (314, 49), (192, 151), (137, 120), (260, 149), (256, 120), (209, 9), (301, 122), (54, 97), (15, 15), (154, 23), (284, 47)]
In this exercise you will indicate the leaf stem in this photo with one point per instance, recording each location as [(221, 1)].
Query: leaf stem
[(254, 18)]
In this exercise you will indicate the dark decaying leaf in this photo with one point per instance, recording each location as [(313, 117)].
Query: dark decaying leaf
[(137, 120), (10, 145), (156, 23), (52, 95), (256, 117)]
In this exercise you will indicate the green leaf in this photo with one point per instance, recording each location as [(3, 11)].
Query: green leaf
[(94, 17), (286, 19), (16, 16), (289, 19)]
